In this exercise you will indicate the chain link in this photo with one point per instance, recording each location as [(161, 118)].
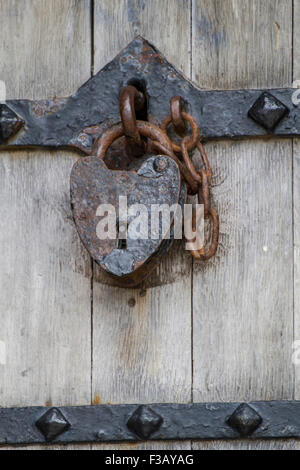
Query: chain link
[(198, 182)]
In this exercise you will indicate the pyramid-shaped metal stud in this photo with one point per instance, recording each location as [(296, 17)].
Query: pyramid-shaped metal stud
[(52, 424), (245, 420), (144, 422), (268, 111), (10, 123)]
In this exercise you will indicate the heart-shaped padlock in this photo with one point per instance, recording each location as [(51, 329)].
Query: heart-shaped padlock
[(96, 190)]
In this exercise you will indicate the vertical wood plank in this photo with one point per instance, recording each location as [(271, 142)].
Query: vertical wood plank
[(296, 48), (50, 447), (240, 44), (243, 298), (152, 445), (278, 444), (164, 23), (142, 339), (45, 47), (296, 195), (45, 274)]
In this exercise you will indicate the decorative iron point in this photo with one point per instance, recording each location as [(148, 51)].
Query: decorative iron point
[(144, 422), (10, 123), (52, 424), (268, 111), (245, 420)]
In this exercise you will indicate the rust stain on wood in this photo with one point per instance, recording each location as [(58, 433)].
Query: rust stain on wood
[(97, 400)]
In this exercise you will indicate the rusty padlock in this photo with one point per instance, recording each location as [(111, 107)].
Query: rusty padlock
[(150, 181), (155, 180)]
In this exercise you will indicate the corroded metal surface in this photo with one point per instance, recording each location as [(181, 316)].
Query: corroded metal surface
[(131, 102), (10, 123), (76, 122), (93, 184), (79, 121), (268, 111), (109, 423)]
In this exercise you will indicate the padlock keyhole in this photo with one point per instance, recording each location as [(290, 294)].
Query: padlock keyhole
[(122, 244), (122, 235)]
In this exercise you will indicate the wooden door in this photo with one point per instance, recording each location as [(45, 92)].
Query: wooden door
[(220, 331)]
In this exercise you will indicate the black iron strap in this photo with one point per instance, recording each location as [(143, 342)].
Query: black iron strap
[(77, 121), (109, 423)]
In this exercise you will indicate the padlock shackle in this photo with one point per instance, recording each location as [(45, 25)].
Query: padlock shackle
[(159, 139)]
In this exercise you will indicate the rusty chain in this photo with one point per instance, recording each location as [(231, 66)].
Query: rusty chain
[(197, 182), (201, 180)]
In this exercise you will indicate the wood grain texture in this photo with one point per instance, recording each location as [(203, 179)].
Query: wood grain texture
[(153, 445), (51, 447), (297, 267), (296, 48), (167, 25), (296, 195), (142, 338), (278, 444), (247, 444), (164, 23), (243, 299), (45, 276), (238, 44)]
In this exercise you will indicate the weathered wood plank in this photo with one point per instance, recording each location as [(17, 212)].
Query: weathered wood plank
[(50, 447), (278, 444), (296, 348), (240, 44), (296, 195), (45, 275), (154, 445), (296, 49), (247, 444), (45, 47), (243, 299), (166, 24), (142, 338)]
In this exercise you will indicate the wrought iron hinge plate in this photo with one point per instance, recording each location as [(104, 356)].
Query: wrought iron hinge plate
[(77, 121)]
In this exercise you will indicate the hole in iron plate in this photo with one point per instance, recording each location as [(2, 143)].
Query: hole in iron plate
[(122, 229), (140, 85)]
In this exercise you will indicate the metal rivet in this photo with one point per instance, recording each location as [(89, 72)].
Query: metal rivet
[(144, 422), (52, 424), (268, 111), (245, 420), (160, 164), (101, 435)]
